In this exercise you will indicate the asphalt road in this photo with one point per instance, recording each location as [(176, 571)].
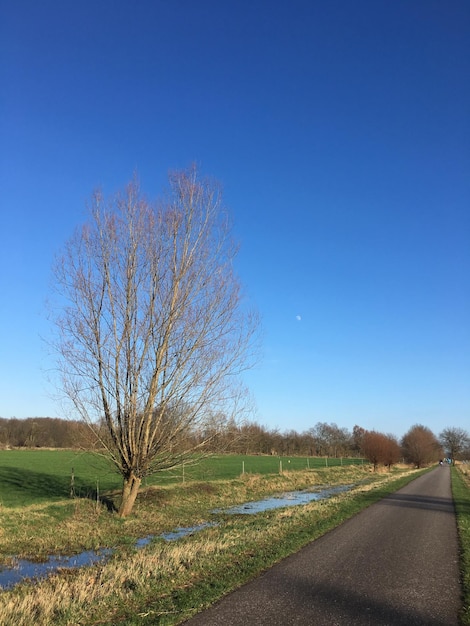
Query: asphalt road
[(395, 563)]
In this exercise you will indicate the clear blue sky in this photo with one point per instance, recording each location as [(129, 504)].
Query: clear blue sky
[(340, 131)]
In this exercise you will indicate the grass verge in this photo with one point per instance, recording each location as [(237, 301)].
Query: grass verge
[(165, 583), (461, 493)]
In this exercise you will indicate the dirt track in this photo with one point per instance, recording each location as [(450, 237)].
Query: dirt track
[(396, 563)]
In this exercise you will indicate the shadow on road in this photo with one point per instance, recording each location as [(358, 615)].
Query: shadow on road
[(444, 505), (356, 608)]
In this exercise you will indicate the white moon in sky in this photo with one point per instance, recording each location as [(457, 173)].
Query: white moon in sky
[(298, 318)]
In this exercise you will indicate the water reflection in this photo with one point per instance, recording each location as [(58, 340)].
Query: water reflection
[(178, 533), (9, 577), (291, 498)]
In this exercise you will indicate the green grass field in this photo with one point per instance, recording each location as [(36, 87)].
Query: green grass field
[(35, 476)]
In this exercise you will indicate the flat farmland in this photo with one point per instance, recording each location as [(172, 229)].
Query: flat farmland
[(36, 476)]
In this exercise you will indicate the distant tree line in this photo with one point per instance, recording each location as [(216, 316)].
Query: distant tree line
[(44, 432), (419, 446), (252, 438)]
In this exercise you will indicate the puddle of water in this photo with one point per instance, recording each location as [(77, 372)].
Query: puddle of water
[(144, 541), (291, 498), (184, 532), (9, 577)]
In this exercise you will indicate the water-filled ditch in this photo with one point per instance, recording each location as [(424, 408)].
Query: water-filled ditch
[(24, 569), (291, 498)]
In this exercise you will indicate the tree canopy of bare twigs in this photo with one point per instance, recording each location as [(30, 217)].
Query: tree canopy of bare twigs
[(153, 330), (454, 441)]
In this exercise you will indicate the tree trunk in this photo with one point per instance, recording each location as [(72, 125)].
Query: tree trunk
[(130, 490)]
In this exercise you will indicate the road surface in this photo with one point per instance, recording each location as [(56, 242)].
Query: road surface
[(395, 563)]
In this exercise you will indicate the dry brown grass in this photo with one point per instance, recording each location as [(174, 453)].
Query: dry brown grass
[(464, 469), (71, 597)]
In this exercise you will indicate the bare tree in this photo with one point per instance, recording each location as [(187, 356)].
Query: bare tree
[(357, 438), (153, 331), (331, 440), (454, 441), (420, 446)]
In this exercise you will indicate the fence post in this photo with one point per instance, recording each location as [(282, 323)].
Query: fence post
[(72, 484)]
